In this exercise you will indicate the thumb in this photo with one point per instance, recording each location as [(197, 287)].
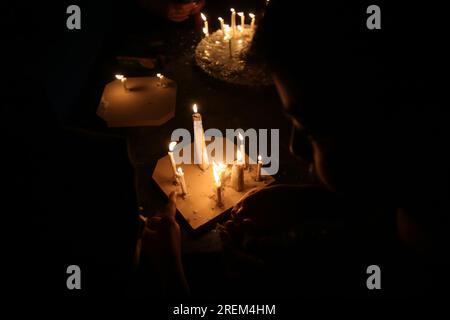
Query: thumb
[(171, 206)]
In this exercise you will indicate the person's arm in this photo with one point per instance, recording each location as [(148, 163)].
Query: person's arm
[(161, 242)]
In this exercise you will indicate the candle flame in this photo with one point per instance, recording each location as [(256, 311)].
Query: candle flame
[(241, 137), (159, 75), (259, 158), (194, 107), (218, 169), (220, 19), (239, 156), (180, 171), (217, 172), (240, 14), (232, 10), (120, 77), (203, 16), (251, 15), (172, 146)]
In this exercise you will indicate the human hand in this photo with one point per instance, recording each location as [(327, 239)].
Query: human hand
[(161, 237)]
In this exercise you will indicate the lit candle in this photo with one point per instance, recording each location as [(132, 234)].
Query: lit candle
[(181, 181), (227, 38), (161, 82), (205, 27), (258, 168), (241, 14), (218, 183), (242, 147), (252, 24), (172, 160), (123, 80), (200, 154), (237, 173), (221, 25), (240, 29), (233, 21)]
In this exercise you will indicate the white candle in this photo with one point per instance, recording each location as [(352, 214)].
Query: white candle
[(233, 21), (217, 171), (241, 14), (221, 25), (161, 82), (242, 147), (205, 27), (237, 173), (181, 181), (252, 24), (258, 168), (123, 80), (200, 154), (172, 160)]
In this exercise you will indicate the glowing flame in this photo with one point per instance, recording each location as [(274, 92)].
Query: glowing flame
[(172, 146), (159, 75), (259, 158), (120, 77), (220, 19), (251, 15), (232, 10), (194, 107), (218, 169), (240, 14), (239, 156), (241, 137), (203, 16), (216, 172)]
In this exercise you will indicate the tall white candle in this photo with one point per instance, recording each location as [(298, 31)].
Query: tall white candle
[(123, 80), (172, 160), (258, 168), (200, 153), (242, 147), (241, 14), (181, 181), (205, 27), (252, 24), (221, 25), (233, 21)]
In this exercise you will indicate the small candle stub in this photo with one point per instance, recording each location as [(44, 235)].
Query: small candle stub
[(200, 152), (161, 80), (122, 79), (258, 169)]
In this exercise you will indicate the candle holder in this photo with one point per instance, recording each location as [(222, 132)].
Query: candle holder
[(202, 208)]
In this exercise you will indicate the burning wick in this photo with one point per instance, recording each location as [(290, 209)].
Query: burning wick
[(123, 80)]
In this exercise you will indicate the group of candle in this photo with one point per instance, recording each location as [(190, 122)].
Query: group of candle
[(234, 30), (237, 172), (123, 79)]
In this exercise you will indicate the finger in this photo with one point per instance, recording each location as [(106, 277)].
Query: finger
[(153, 222)]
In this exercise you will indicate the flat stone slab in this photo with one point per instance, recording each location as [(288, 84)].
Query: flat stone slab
[(145, 103)]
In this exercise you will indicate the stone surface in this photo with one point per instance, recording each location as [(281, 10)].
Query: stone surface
[(146, 103)]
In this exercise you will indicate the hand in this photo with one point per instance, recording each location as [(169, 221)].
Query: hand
[(180, 12), (161, 237)]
